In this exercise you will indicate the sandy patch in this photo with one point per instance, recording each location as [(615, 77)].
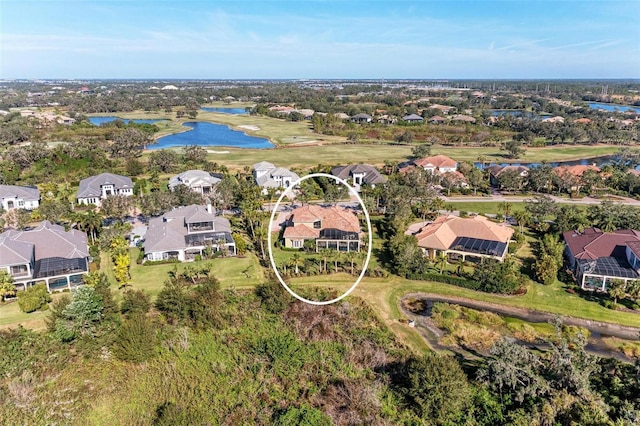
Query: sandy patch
[(249, 127), (210, 151)]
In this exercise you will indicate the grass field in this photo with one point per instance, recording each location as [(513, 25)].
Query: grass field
[(232, 272)]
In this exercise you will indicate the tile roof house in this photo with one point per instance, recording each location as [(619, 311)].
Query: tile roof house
[(332, 227), (359, 174), (269, 176), (496, 170), (361, 118), (47, 253), (185, 232), (469, 238), (597, 257), (21, 197), (199, 181), (96, 188)]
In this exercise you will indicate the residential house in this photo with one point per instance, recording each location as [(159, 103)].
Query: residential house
[(436, 119), (497, 170), (334, 227), (359, 174), (46, 254), (413, 118), (361, 118), (464, 118), (572, 176), (197, 180), (468, 238), (597, 257), (19, 197), (269, 176), (185, 232), (96, 188), (555, 119), (437, 164), (444, 109)]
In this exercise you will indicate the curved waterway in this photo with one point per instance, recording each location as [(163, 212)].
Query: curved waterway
[(597, 329)]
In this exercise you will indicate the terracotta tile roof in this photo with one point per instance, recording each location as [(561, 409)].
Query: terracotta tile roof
[(442, 232), (437, 161), (592, 243), (577, 170), (300, 221)]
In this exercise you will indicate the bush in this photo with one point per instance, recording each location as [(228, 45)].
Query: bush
[(33, 298), (135, 302), (447, 279), (136, 340), (160, 262)]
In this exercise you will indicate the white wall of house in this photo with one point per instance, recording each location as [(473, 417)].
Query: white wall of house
[(19, 203)]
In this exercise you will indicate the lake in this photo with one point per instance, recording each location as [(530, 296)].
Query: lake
[(613, 107), (598, 161), (210, 134), (109, 118), (237, 111)]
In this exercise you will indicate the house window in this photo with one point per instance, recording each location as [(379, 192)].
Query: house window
[(317, 224), (296, 243), (20, 203)]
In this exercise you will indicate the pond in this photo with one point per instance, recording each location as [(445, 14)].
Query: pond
[(210, 134), (109, 118), (237, 111), (613, 107), (598, 161)]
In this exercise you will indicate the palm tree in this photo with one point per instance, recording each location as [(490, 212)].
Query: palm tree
[(460, 264), (522, 217), (295, 260), (351, 257), (633, 289), (326, 253), (617, 289), (441, 261), (505, 207), (482, 159)]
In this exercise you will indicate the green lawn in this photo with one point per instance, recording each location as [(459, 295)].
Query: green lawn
[(230, 272), (385, 292)]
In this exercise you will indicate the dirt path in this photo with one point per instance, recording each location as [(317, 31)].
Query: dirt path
[(602, 328)]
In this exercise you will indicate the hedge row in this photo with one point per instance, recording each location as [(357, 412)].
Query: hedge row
[(447, 279)]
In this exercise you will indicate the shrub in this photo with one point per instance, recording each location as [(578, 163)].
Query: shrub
[(135, 302), (136, 340), (447, 279), (33, 298), (303, 416)]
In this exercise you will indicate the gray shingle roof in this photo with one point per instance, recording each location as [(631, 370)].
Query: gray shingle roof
[(193, 178), (52, 241), (168, 232), (13, 252), (28, 193), (90, 187), (372, 175)]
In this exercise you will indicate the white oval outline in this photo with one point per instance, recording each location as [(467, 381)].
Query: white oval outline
[(273, 263)]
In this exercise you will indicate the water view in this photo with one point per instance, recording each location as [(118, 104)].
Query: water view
[(109, 118), (238, 111), (598, 161), (210, 134), (613, 107)]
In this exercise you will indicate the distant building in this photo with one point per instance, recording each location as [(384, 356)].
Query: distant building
[(46, 254), (413, 118), (359, 174), (332, 227), (197, 180), (19, 197), (361, 118), (268, 175), (96, 188), (185, 232), (497, 170)]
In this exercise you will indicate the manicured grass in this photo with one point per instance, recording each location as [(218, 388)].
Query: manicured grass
[(385, 292)]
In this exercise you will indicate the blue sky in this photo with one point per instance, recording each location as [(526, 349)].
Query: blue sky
[(320, 39)]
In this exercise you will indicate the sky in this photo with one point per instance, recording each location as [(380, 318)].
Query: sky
[(319, 39)]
